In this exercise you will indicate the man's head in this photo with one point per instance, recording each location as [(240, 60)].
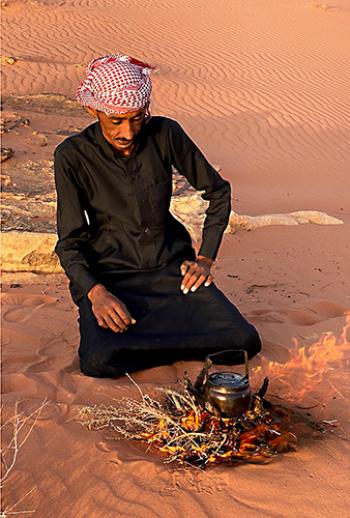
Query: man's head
[(117, 90)]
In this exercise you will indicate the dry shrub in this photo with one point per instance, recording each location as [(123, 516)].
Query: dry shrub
[(187, 432), (18, 428)]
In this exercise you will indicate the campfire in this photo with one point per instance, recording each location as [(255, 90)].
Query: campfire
[(204, 423), (188, 433)]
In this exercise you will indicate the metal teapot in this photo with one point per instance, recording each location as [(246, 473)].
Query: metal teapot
[(227, 394)]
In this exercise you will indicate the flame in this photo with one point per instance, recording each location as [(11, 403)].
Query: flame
[(309, 366), (191, 422)]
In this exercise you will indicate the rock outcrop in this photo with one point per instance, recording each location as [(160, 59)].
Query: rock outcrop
[(28, 242)]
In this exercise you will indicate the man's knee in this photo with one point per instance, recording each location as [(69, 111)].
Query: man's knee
[(93, 370), (94, 364), (250, 340)]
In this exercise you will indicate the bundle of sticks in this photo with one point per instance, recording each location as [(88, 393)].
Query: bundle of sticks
[(186, 432)]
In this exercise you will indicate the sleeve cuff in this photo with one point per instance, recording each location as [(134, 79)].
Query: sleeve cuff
[(83, 278), (210, 246)]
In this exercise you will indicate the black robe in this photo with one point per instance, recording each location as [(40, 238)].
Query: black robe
[(115, 228)]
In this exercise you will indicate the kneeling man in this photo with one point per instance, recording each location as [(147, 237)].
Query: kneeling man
[(145, 298)]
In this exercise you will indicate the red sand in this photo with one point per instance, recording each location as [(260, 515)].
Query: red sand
[(262, 88)]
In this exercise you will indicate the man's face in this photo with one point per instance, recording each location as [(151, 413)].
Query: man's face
[(120, 129)]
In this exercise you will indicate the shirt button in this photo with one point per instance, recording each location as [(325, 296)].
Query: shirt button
[(146, 230)]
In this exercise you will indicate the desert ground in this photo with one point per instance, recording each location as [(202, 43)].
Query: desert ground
[(262, 88)]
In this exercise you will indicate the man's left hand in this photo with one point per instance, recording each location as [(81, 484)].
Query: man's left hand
[(195, 273)]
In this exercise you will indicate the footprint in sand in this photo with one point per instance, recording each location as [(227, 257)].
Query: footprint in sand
[(103, 446), (129, 453), (53, 410), (266, 315), (24, 305), (48, 409), (17, 382), (314, 312)]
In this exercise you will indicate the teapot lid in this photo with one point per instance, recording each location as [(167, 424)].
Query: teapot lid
[(231, 380)]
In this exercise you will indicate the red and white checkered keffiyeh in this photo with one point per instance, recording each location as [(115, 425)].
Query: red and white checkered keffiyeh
[(116, 84)]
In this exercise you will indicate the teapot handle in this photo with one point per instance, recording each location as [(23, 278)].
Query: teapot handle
[(209, 362)]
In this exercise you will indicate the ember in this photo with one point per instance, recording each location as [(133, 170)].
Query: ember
[(187, 432)]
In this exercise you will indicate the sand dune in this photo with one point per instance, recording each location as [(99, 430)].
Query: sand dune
[(263, 89)]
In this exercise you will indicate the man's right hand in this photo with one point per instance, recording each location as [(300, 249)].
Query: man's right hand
[(109, 311)]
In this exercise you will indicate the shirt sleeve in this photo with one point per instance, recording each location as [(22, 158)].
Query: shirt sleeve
[(72, 227), (190, 162)]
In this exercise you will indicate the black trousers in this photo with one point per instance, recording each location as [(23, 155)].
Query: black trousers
[(170, 326)]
